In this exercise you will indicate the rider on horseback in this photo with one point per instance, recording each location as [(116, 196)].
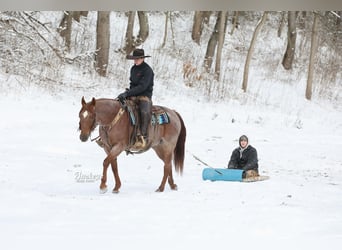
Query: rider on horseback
[(141, 86)]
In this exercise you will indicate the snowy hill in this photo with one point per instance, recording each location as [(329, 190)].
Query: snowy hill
[(49, 179)]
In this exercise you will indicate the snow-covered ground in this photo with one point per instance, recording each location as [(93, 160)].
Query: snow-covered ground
[(49, 181)]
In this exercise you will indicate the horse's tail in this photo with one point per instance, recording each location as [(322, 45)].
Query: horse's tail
[(178, 156)]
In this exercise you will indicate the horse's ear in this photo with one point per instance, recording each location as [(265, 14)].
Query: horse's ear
[(93, 101), (83, 101)]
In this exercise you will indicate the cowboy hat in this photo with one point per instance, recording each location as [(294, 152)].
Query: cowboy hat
[(137, 53)]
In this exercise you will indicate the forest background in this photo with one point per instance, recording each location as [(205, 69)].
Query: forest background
[(222, 54)]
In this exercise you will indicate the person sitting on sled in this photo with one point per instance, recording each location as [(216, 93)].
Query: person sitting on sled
[(245, 157), (141, 87)]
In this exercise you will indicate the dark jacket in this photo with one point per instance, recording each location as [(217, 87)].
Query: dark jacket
[(245, 159), (141, 78)]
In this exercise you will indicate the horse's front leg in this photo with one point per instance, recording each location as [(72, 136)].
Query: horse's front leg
[(114, 164), (103, 185)]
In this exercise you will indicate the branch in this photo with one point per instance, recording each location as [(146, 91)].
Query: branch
[(55, 50)]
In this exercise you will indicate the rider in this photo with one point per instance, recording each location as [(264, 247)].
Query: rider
[(141, 86), (245, 157)]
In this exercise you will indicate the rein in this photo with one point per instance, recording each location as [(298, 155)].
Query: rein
[(117, 117), (115, 120)]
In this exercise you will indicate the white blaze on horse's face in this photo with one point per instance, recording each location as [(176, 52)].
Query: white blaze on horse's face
[(85, 114)]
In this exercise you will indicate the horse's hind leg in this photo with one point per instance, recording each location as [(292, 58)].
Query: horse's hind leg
[(167, 169), (173, 186), (116, 176)]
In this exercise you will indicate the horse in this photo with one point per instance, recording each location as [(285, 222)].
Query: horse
[(115, 132)]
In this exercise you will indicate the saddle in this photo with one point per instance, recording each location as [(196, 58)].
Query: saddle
[(159, 117)]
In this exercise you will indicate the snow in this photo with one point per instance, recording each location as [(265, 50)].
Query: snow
[(45, 203), (49, 179)]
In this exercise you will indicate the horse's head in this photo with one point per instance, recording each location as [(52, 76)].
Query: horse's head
[(87, 119)]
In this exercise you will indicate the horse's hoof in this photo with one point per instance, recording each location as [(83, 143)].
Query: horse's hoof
[(159, 190), (115, 191), (174, 187), (103, 190)]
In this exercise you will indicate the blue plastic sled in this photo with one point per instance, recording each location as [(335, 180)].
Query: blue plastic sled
[(222, 174)]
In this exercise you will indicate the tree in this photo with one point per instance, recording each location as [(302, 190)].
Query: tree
[(235, 22), (65, 26), (291, 41), (213, 41), (200, 18), (102, 42), (250, 51), (281, 24), (144, 28), (222, 31), (131, 43), (167, 18), (313, 49)]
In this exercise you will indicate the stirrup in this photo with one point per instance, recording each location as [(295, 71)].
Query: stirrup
[(141, 142)]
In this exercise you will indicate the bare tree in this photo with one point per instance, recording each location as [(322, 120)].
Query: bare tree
[(197, 27), (65, 26), (200, 18), (222, 31), (144, 28), (102, 42), (291, 41), (131, 43), (250, 51), (281, 24), (213, 41), (167, 18), (313, 50), (235, 22), (167, 14), (339, 18)]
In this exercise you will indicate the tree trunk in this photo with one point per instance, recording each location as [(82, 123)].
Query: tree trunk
[(291, 41), (313, 50), (200, 18), (209, 55), (76, 15), (222, 31), (65, 27), (250, 51), (339, 19), (129, 43), (235, 22), (132, 43), (197, 27), (281, 25), (165, 28), (144, 28), (102, 42)]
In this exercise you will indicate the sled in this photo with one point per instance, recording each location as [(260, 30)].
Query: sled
[(226, 174)]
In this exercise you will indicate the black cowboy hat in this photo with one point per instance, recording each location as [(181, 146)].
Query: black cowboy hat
[(137, 53)]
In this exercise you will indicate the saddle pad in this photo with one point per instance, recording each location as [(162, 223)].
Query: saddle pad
[(160, 118)]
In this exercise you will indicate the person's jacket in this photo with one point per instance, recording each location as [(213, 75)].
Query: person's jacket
[(141, 81), (245, 159)]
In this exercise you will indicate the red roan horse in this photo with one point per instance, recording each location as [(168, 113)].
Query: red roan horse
[(167, 140)]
